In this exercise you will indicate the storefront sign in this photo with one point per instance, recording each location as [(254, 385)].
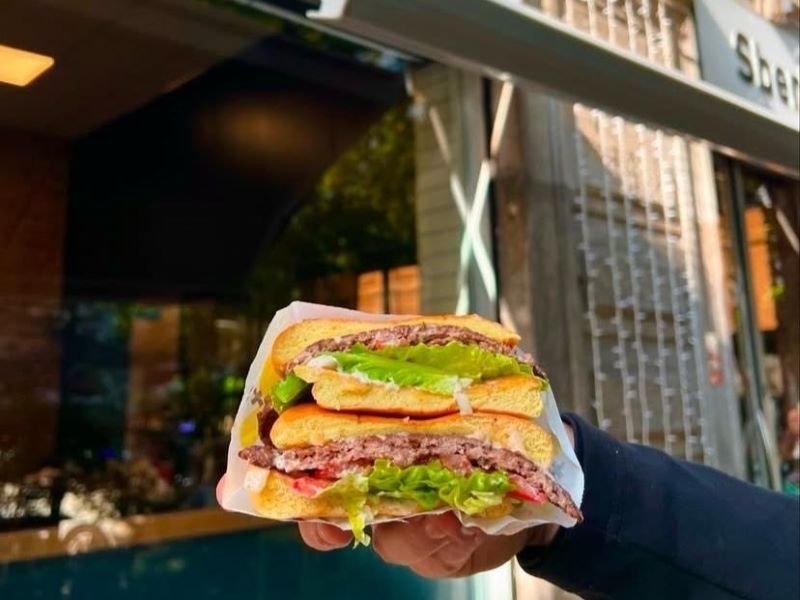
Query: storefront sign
[(750, 57)]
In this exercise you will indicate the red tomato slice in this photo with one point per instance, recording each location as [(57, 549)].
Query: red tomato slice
[(326, 472), (309, 486), (524, 491)]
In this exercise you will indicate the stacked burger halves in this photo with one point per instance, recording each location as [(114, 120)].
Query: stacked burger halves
[(366, 420)]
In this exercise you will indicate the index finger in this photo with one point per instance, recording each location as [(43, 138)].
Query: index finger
[(319, 536), (322, 536), (220, 489)]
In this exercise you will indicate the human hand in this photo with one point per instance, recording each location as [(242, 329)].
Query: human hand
[(435, 546)]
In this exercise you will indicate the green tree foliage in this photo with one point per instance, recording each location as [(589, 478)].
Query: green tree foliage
[(360, 217)]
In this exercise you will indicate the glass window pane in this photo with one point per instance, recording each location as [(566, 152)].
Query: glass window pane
[(180, 172)]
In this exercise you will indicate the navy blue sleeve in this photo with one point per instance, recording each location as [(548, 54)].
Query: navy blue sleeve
[(658, 527)]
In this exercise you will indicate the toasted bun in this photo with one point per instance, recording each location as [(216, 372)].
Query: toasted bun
[(519, 395), (310, 425), (299, 336), (277, 500)]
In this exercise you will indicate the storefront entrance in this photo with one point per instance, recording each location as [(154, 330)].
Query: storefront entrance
[(760, 220)]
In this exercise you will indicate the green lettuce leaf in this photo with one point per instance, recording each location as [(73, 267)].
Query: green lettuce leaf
[(436, 369), (431, 486), (287, 392), (351, 494), (370, 364), (462, 360)]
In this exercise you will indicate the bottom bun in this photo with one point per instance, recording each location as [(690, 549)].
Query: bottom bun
[(277, 500)]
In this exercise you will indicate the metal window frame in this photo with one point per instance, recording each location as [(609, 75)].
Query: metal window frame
[(758, 429), (508, 40)]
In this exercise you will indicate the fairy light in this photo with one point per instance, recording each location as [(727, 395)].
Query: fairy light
[(632, 247), (589, 259), (691, 250), (636, 272), (633, 25), (691, 254), (665, 34), (669, 203), (620, 349), (666, 392), (633, 273), (589, 267), (646, 12), (611, 20), (592, 15)]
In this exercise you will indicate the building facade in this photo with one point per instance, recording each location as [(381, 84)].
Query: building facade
[(254, 153), (615, 248), (664, 308)]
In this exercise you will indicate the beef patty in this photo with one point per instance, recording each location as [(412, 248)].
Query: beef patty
[(410, 335), (459, 453)]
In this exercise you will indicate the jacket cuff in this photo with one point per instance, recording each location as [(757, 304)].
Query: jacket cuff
[(569, 559)]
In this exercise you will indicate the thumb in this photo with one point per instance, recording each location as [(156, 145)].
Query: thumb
[(220, 490)]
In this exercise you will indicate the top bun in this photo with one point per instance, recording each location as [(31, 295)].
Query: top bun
[(296, 338)]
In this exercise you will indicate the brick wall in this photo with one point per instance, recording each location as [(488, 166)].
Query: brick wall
[(33, 195)]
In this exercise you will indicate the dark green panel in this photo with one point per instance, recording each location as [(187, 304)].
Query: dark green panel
[(254, 565)]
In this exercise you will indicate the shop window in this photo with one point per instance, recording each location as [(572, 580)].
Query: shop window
[(149, 228), (759, 227), (394, 291)]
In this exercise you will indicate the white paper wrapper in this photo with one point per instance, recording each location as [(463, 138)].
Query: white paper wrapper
[(565, 468)]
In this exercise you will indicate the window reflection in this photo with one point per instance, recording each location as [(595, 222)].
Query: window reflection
[(763, 302), (119, 382), (148, 390)]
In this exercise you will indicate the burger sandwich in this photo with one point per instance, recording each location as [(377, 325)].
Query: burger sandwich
[(369, 420)]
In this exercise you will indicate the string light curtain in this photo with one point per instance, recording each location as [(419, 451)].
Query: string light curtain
[(639, 250)]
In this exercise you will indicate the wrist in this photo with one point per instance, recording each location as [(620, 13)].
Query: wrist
[(542, 535)]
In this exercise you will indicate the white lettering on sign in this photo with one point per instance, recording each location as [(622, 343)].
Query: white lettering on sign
[(771, 79), (745, 54)]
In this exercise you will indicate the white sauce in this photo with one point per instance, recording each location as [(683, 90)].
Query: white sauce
[(366, 379), (323, 362)]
